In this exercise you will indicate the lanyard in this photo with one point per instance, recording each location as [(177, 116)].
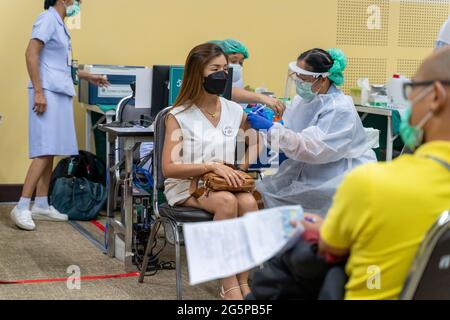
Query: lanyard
[(442, 162)]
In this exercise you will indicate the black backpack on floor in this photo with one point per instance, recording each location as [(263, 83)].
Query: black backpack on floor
[(84, 165)]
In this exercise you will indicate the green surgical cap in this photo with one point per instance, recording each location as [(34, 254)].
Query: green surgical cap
[(231, 46), (339, 65)]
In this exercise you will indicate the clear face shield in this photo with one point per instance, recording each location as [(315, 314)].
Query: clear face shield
[(296, 76)]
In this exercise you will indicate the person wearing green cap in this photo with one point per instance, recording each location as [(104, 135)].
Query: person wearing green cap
[(322, 136), (237, 53)]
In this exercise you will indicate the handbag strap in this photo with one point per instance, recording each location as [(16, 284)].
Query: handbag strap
[(194, 185), (194, 190)]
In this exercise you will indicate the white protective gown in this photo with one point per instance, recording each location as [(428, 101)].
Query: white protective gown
[(323, 140)]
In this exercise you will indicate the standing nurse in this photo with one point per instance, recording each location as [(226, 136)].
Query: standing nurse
[(51, 122)]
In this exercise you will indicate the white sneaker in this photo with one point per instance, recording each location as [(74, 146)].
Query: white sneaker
[(50, 214), (22, 219)]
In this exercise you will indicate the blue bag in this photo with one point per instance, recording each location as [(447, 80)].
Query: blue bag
[(79, 198)]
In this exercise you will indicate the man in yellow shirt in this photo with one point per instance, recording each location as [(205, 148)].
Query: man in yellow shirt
[(382, 212)]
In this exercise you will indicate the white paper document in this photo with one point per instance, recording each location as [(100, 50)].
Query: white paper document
[(221, 249)]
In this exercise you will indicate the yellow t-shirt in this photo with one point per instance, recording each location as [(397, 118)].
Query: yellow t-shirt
[(381, 213)]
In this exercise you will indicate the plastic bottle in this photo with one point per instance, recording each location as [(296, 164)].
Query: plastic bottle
[(364, 85), (395, 91)]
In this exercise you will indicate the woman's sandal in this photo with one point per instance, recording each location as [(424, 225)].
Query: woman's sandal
[(244, 285), (223, 293)]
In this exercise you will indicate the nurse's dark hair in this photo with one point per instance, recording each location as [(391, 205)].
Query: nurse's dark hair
[(49, 3), (192, 86), (317, 60)]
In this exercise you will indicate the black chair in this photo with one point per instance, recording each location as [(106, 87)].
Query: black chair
[(170, 217), (333, 287), (429, 277)]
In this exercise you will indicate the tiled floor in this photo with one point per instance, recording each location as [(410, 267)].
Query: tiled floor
[(49, 251)]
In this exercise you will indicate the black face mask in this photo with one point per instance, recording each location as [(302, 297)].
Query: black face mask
[(216, 83)]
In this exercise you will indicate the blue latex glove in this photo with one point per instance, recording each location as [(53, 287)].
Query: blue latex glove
[(259, 122)]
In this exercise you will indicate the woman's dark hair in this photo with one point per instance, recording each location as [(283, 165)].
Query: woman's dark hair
[(192, 86), (317, 60), (49, 3)]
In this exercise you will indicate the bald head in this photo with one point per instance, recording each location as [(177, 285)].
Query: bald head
[(436, 66), (434, 98)]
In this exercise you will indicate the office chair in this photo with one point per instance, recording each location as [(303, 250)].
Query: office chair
[(170, 217), (429, 277)]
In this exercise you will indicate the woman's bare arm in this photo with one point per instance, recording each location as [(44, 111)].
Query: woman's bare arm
[(252, 141), (244, 96)]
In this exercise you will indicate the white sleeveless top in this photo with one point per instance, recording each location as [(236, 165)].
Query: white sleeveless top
[(202, 142)]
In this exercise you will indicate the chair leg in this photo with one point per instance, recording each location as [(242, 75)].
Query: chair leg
[(150, 242), (179, 280)]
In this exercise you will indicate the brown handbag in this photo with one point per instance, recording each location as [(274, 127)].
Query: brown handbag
[(214, 182)]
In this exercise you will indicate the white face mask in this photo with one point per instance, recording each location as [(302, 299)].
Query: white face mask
[(237, 72)]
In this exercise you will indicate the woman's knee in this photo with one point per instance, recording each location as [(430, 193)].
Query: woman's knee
[(225, 203), (247, 202)]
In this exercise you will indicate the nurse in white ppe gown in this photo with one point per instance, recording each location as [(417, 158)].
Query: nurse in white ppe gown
[(444, 35), (323, 136), (51, 121)]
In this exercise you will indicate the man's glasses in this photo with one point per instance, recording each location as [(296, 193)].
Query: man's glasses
[(408, 87)]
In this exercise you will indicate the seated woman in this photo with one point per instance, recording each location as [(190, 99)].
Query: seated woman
[(324, 137), (201, 137)]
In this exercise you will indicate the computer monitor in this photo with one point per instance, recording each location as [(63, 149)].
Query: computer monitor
[(160, 89), (163, 87)]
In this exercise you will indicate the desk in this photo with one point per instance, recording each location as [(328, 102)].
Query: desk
[(387, 112), (131, 137), (108, 115)]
